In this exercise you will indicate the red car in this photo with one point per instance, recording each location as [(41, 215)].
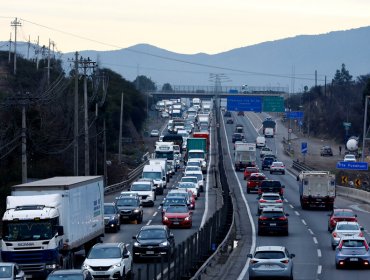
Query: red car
[(249, 170), (254, 181), (178, 216), (339, 215)]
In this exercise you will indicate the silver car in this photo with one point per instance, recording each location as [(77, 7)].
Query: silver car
[(11, 271), (269, 200), (271, 261), (343, 229)]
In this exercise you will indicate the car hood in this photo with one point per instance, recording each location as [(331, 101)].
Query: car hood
[(101, 262), (176, 215), (127, 208), (151, 241)]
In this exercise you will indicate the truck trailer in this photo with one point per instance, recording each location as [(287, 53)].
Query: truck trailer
[(244, 155), (46, 221), (316, 189)]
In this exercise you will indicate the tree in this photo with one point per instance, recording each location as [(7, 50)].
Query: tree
[(144, 84), (167, 87), (342, 77)]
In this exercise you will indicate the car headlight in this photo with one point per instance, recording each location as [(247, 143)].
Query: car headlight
[(163, 244), (85, 266), (187, 218), (116, 265), (136, 211), (136, 244), (51, 266)]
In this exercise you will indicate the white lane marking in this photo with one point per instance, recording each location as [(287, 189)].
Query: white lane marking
[(297, 213), (319, 269), (205, 213), (304, 222), (291, 206), (315, 240), (149, 222), (159, 208), (155, 214), (253, 245), (319, 253), (310, 231), (286, 200)]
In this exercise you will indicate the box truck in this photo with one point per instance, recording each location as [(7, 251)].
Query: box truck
[(46, 221)]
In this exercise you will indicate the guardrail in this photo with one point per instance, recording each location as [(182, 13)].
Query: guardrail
[(130, 177), (300, 166)]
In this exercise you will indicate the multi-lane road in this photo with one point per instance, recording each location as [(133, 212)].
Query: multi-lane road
[(308, 237)]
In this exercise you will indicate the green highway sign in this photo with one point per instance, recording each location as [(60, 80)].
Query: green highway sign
[(273, 104)]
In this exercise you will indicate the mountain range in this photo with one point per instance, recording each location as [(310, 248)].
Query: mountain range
[(289, 62)]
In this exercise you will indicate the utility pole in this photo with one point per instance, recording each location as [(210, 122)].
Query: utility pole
[(315, 78), (105, 155), (120, 132), (48, 76), (10, 47), (15, 23), (364, 133), (37, 52), (86, 64), (24, 144), (75, 128)]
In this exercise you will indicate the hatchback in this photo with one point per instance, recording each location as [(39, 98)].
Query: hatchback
[(277, 167), (269, 200), (178, 215), (273, 220), (269, 262), (326, 151), (352, 251)]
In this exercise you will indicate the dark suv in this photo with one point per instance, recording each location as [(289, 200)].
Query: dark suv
[(273, 186), (273, 220), (130, 208), (237, 137), (326, 151), (112, 217), (267, 161), (153, 241)]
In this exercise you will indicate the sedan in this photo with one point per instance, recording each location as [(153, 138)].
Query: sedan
[(270, 262), (340, 215), (345, 229), (109, 261), (10, 271), (350, 157), (277, 167), (154, 133), (178, 215), (352, 251), (249, 170), (153, 241), (254, 181), (229, 121), (269, 200), (265, 151), (69, 274)]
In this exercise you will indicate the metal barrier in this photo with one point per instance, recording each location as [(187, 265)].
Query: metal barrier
[(134, 174), (301, 166)]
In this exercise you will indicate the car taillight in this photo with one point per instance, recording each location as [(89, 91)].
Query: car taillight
[(262, 218), (262, 200), (366, 245), (165, 218), (361, 234), (285, 261), (340, 246), (282, 218), (278, 201), (335, 234)]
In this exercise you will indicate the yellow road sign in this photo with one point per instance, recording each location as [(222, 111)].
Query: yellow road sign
[(344, 179), (358, 182)]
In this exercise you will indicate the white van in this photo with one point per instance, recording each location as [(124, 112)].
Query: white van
[(260, 141)]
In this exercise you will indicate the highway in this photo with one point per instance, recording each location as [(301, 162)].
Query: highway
[(308, 237)]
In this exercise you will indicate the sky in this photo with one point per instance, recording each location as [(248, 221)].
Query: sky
[(188, 27)]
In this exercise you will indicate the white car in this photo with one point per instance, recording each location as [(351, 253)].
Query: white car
[(154, 133), (145, 190), (189, 186), (269, 200), (277, 167), (200, 177), (350, 157), (115, 257), (265, 151), (192, 179), (345, 229)]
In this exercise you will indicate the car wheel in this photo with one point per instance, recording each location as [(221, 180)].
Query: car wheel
[(286, 233), (333, 246), (248, 190), (118, 227), (135, 259), (271, 172), (337, 266)]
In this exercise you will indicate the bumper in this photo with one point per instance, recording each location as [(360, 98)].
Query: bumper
[(352, 261), (107, 274), (263, 274), (154, 252), (178, 224), (130, 216)]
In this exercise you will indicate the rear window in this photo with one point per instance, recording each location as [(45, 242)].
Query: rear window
[(257, 178), (348, 227), (272, 214), (344, 214), (271, 197), (353, 243), (270, 255), (271, 184)]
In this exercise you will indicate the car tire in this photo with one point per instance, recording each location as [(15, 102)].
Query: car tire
[(135, 259), (337, 266), (248, 190), (118, 227), (271, 172), (333, 247)]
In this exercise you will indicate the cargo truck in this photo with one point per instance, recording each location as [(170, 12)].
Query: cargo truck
[(165, 150), (197, 144), (202, 134), (244, 155), (316, 189), (46, 221), (269, 127)]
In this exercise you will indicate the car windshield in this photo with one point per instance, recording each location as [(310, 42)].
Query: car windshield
[(353, 243), (152, 234), (270, 197), (109, 209), (177, 209), (272, 214), (6, 271), (193, 163), (105, 253), (141, 187), (184, 185), (126, 202), (257, 178), (196, 154), (187, 179), (178, 200), (251, 170), (269, 255), (347, 227), (66, 276), (343, 214)]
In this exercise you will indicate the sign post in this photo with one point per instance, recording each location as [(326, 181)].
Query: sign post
[(304, 150)]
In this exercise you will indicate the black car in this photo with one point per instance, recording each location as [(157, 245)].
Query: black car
[(273, 220), (237, 137), (272, 186), (112, 217), (70, 274), (229, 121), (130, 208), (267, 161), (227, 114), (240, 113), (326, 151), (153, 241)]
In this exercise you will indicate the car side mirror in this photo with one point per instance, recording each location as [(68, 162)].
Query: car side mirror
[(250, 256), (292, 255), (60, 230), (125, 256), (134, 237)]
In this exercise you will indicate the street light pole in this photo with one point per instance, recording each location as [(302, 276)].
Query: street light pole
[(364, 133)]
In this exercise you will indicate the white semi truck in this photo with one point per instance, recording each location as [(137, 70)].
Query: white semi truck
[(316, 189), (46, 221)]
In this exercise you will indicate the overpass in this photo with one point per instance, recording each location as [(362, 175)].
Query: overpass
[(189, 91)]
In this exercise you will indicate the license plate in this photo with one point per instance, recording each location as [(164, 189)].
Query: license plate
[(273, 225), (150, 252), (28, 276), (353, 259), (99, 272), (176, 223)]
